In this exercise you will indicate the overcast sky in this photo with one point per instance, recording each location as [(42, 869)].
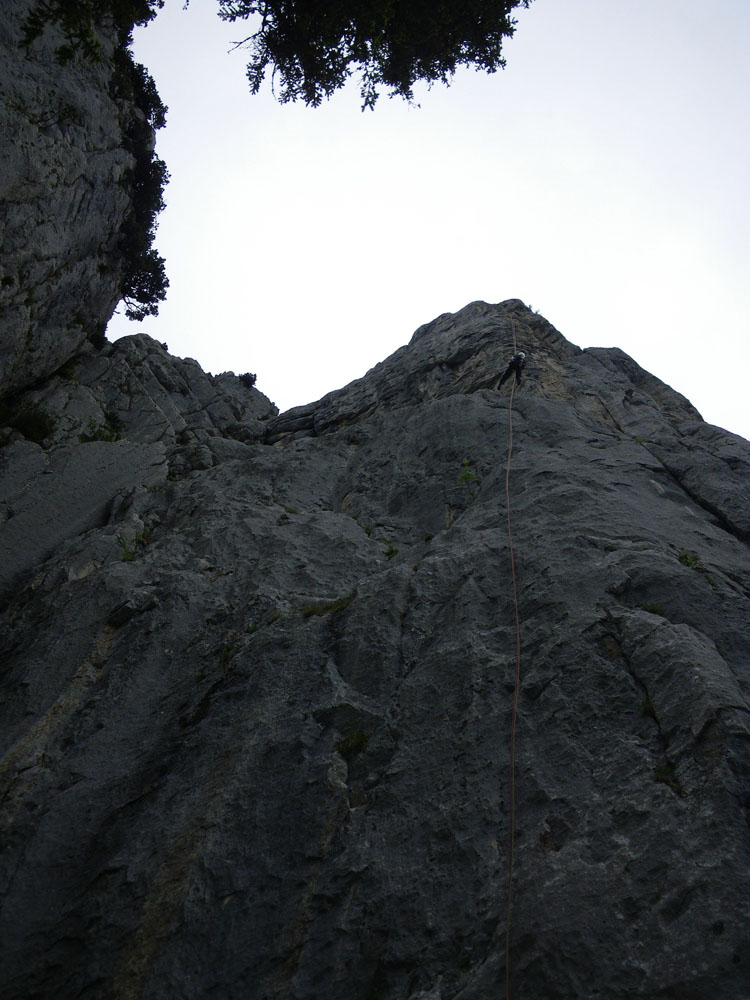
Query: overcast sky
[(602, 177)]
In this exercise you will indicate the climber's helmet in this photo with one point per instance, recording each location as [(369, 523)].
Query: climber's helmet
[(521, 355)]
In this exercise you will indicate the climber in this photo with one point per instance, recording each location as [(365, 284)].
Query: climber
[(516, 364)]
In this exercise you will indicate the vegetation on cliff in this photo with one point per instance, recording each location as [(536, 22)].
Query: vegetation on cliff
[(78, 20), (144, 279)]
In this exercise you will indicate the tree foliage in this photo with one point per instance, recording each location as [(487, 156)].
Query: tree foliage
[(144, 278), (314, 46), (77, 19)]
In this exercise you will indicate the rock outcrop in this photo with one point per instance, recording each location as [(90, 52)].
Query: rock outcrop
[(257, 676), (113, 423), (66, 190)]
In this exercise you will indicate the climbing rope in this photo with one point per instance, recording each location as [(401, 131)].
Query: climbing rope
[(514, 713)]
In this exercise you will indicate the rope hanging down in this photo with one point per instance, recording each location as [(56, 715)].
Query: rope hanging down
[(514, 714)]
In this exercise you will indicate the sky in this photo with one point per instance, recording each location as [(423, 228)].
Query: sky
[(602, 178)]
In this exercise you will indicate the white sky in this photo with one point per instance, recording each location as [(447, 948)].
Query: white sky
[(602, 178)]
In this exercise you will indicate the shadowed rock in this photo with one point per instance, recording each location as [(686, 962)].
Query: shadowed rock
[(66, 189), (256, 706)]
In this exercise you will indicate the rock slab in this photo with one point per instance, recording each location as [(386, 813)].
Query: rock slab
[(256, 706)]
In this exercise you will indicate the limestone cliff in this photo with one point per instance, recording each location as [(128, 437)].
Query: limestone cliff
[(74, 146), (257, 669), (257, 674)]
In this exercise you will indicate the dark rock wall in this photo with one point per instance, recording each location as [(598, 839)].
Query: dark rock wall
[(65, 191), (256, 698), (256, 670)]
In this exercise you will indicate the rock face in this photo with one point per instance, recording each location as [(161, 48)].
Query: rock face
[(258, 669), (136, 388), (65, 191)]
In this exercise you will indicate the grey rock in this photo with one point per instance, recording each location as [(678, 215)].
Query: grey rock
[(256, 717), (257, 669), (64, 493), (117, 419), (65, 190)]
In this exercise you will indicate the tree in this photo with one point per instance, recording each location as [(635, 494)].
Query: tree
[(314, 46)]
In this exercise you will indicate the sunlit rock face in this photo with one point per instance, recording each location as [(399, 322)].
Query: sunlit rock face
[(257, 681), (65, 190)]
